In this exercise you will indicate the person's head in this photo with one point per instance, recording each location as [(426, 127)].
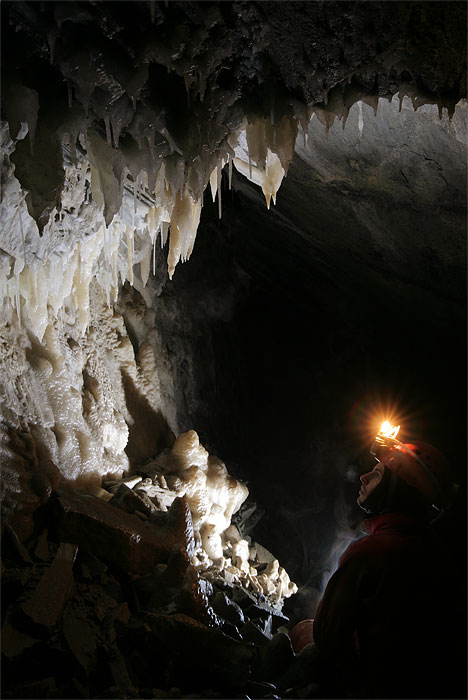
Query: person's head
[(409, 477), (369, 482)]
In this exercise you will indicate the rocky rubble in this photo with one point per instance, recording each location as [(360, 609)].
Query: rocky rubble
[(104, 596)]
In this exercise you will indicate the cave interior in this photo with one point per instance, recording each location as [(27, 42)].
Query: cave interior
[(230, 231)]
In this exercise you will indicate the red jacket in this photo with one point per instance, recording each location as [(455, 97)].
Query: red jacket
[(382, 609)]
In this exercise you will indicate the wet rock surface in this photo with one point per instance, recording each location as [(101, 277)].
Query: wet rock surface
[(100, 603)]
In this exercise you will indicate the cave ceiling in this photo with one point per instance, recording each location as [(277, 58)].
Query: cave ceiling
[(174, 80)]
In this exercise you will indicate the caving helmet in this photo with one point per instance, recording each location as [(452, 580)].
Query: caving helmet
[(423, 467)]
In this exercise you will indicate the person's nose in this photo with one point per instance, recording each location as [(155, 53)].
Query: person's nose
[(364, 478)]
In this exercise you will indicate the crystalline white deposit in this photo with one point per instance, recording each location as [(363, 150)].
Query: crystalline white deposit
[(68, 388), (214, 497)]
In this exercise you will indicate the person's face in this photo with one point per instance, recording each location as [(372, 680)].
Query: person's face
[(369, 482)]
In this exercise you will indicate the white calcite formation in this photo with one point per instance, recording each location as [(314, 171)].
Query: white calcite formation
[(66, 359), (221, 553), (64, 344), (68, 389)]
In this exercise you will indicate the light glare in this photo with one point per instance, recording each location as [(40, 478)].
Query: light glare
[(388, 430)]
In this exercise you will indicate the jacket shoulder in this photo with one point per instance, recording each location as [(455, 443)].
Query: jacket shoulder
[(359, 549)]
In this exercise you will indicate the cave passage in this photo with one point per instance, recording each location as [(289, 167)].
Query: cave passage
[(233, 241)]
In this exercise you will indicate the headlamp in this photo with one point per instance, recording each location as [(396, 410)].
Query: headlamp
[(385, 438)]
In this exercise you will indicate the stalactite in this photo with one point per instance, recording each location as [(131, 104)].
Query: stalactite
[(108, 130), (219, 174), (129, 233)]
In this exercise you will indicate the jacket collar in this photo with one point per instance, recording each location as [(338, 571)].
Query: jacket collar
[(393, 521)]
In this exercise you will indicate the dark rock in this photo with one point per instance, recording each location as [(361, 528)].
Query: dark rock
[(112, 588), (44, 606), (119, 673), (89, 566), (111, 486), (204, 653), (160, 587), (243, 597), (121, 538), (251, 633), (35, 689), (13, 548), (132, 502), (261, 690), (41, 550), (53, 473), (303, 670), (14, 642), (148, 659), (150, 470), (264, 611), (114, 692), (80, 637), (264, 624), (151, 594), (176, 587), (229, 629), (81, 691), (40, 484), (193, 598), (227, 609), (247, 517), (121, 613), (275, 658), (256, 608), (176, 569), (311, 690), (14, 580)]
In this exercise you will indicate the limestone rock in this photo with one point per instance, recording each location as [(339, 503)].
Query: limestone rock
[(209, 653), (47, 601), (132, 501), (118, 537), (228, 609)]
